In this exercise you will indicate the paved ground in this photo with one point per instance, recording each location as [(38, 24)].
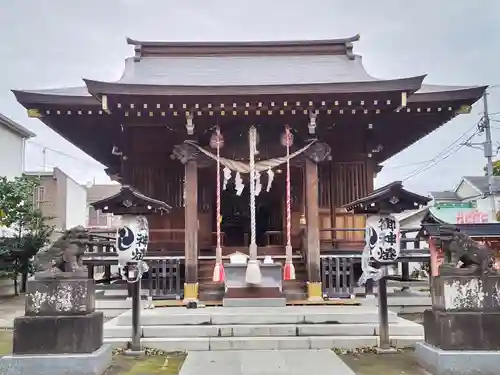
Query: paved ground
[(265, 362), (10, 307)]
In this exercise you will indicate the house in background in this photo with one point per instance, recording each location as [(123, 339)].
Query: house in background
[(468, 203), (12, 147), (411, 220), (95, 218), (60, 198)]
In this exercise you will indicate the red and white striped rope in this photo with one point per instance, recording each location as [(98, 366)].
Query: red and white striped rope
[(288, 193), (218, 144)]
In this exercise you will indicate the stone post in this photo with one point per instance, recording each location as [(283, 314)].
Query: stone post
[(461, 330), (60, 332)]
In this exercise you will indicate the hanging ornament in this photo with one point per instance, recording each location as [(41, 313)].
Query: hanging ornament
[(270, 177), (289, 269), (227, 176), (258, 185), (253, 275), (238, 184), (217, 141), (287, 138)]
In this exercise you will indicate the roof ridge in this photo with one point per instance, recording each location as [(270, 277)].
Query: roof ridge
[(340, 46), (223, 43)]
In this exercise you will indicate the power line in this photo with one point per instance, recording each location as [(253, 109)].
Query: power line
[(94, 164), (439, 156), (407, 165)]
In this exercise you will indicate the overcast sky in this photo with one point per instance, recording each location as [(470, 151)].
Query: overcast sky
[(55, 43)]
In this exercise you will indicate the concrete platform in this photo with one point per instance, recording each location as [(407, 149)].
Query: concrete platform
[(58, 364), (457, 362), (173, 344), (401, 328), (297, 327), (249, 315)]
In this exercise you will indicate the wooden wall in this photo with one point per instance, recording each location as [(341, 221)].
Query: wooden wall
[(166, 183), (339, 183)]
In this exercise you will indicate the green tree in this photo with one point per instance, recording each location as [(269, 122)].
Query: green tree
[(496, 168), (31, 232)]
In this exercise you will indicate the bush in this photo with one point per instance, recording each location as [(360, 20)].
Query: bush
[(31, 233)]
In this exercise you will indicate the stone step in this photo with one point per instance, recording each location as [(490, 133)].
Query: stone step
[(254, 302), (256, 315), (265, 343), (403, 328)]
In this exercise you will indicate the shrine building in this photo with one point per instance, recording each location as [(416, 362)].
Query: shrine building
[(154, 130)]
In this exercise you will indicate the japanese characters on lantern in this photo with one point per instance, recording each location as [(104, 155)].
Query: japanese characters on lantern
[(132, 242), (383, 238)]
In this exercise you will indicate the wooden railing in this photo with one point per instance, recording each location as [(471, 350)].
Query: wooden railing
[(340, 265), (165, 278), (341, 268)]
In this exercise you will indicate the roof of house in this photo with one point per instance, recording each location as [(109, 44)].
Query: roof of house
[(14, 126), (482, 230), (405, 215), (481, 183), (277, 67), (167, 79), (444, 195)]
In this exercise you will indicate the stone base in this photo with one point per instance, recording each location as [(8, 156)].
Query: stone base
[(254, 302), (57, 297), (58, 334), (462, 330), (461, 293), (58, 364), (457, 362)]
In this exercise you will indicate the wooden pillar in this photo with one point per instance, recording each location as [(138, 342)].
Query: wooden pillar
[(191, 230), (314, 289)]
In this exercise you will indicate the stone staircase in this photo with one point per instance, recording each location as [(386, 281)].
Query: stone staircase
[(292, 327)]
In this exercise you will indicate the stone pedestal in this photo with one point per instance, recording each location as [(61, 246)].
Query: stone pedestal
[(464, 321), (60, 332), (268, 294)]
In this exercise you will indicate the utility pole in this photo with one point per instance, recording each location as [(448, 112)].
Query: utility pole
[(488, 153)]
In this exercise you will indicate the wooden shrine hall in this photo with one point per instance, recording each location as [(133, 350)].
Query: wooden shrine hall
[(181, 108)]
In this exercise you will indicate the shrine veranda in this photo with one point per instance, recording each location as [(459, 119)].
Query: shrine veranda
[(321, 126)]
